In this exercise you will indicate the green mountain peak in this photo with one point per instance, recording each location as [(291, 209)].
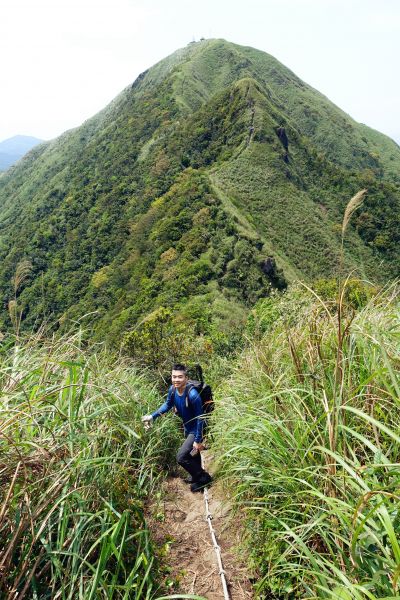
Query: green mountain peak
[(203, 68), (217, 176)]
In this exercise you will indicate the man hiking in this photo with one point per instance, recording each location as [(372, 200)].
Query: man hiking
[(188, 405)]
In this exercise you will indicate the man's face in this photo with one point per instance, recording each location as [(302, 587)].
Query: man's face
[(179, 379)]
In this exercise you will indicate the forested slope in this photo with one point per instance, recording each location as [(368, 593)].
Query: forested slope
[(216, 177)]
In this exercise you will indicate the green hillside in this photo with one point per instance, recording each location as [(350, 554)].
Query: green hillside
[(216, 177), (76, 472), (304, 444), (306, 438)]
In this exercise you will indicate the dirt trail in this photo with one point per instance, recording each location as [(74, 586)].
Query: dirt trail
[(191, 556)]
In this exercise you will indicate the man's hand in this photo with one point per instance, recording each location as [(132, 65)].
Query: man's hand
[(147, 421), (199, 446)]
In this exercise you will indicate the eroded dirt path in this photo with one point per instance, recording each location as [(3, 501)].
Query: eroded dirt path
[(191, 556)]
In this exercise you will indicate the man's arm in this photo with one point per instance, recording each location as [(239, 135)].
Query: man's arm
[(168, 404)]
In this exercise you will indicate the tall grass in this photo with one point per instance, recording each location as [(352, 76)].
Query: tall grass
[(75, 470), (308, 440)]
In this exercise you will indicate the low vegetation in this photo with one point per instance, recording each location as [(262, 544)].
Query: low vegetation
[(307, 435), (75, 471)]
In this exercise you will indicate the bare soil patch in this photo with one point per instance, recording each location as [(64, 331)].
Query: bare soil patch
[(180, 527)]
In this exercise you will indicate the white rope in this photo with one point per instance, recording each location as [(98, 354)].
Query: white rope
[(215, 543)]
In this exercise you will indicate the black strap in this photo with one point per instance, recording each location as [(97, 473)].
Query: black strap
[(172, 390), (187, 392)]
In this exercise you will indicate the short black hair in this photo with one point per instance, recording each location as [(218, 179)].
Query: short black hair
[(180, 367)]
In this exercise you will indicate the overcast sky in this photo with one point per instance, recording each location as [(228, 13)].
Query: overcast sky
[(64, 60)]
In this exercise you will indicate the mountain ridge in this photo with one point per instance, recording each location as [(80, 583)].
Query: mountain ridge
[(249, 201), (13, 148), (277, 74)]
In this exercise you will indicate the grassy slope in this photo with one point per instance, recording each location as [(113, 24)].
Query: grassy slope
[(76, 469), (306, 435), (205, 68), (82, 208)]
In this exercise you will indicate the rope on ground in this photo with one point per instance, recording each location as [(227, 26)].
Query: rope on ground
[(216, 547)]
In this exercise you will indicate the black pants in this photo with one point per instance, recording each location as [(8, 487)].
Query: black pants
[(192, 464)]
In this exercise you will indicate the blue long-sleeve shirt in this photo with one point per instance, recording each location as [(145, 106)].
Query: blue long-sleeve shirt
[(191, 414)]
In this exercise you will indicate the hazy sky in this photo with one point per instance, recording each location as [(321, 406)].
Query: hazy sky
[(64, 60)]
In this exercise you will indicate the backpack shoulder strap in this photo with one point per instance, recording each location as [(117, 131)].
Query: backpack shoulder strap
[(187, 392), (171, 393), (192, 385)]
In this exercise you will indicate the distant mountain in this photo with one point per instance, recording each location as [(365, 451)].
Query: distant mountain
[(215, 177), (12, 149)]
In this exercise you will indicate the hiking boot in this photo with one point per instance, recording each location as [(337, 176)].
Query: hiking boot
[(203, 482), (188, 479)]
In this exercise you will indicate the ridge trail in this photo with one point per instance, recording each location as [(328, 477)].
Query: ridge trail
[(191, 557)]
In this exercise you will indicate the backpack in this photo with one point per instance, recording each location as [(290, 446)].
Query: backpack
[(204, 391)]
